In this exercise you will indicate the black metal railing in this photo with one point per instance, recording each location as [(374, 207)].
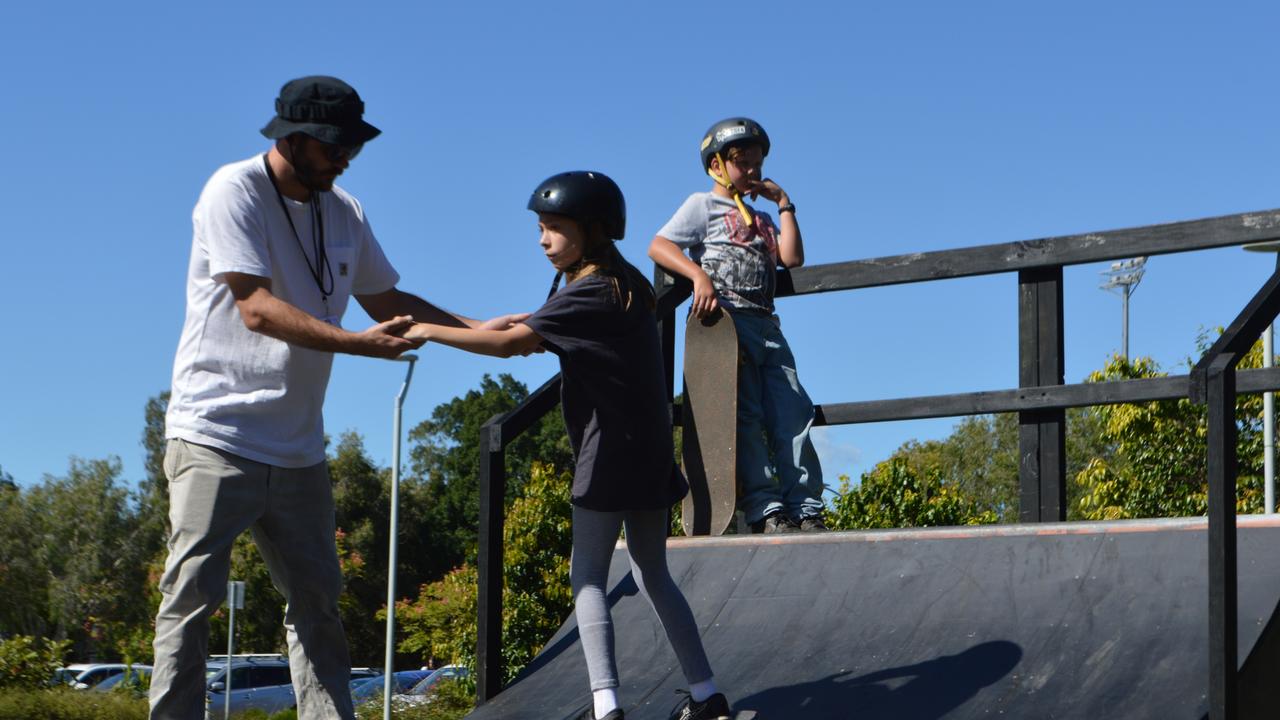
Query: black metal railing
[(1214, 382), (1041, 398)]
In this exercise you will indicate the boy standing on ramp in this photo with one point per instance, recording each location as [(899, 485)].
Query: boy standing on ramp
[(734, 251)]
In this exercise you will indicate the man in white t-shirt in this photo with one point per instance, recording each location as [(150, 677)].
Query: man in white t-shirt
[(277, 252)]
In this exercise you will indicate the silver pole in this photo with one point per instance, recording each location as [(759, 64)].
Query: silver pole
[(235, 599), (231, 634), (388, 678), (1269, 422), (1124, 329)]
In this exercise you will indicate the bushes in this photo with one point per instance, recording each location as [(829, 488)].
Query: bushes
[(451, 700), (27, 662), (68, 704)]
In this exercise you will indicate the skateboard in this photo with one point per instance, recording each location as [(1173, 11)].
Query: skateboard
[(710, 419)]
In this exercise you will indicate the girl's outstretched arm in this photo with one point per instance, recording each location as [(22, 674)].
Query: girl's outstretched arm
[(516, 339)]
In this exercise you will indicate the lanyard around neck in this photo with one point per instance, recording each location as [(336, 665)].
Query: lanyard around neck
[(322, 267)]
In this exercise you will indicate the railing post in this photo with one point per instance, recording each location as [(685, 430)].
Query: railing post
[(493, 484), (1220, 391), (1042, 465), (666, 331)]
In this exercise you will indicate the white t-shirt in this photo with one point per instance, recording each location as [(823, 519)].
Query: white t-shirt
[(242, 391)]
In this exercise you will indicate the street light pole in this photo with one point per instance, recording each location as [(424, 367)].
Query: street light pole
[(1268, 397), (388, 678), (1269, 422), (1125, 276)]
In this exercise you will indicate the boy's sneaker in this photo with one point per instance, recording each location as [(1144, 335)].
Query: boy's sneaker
[(775, 522), (589, 714), (812, 523), (715, 707)]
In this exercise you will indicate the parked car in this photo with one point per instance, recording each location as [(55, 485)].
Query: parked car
[(93, 673), (66, 675), (370, 689), (135, 679), (256, 682), (421, 693)]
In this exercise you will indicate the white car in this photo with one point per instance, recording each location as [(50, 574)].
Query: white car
[(90, 674), (256, 682), (422, 691)]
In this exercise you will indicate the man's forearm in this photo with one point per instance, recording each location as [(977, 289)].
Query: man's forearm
[(278, 319), (264, 313)]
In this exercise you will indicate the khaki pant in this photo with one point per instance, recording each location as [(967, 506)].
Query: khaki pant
[(213, 497)]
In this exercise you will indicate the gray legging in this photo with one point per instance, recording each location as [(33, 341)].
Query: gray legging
[(594, 536)]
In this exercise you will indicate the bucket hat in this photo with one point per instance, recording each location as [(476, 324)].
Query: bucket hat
[(323, 107)]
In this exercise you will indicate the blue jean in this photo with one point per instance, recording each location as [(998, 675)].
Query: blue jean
[(778, 468)]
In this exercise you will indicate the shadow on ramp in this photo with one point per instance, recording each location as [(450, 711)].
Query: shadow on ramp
[(923, 691)]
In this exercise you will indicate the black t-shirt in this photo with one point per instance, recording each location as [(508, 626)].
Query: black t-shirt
[(613, 395)]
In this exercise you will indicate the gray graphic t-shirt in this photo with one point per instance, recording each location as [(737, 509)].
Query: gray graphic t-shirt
[(741, 259)]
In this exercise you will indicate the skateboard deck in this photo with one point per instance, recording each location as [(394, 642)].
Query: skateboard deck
[(710, 419)]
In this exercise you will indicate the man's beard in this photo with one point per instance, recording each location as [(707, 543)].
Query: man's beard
[(310, 177)]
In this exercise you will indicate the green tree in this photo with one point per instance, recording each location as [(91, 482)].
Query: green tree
[(29, 662), (362, 495), (24, 574), (895, 495), (440, 623), (1158, 467), (977, 462), (85, 521), (445, 454)]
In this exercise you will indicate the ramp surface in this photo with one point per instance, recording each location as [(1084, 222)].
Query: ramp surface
[(1072, 620)]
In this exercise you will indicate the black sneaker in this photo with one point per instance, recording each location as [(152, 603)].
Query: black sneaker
[(774, 522), (590, 714), (715, 707), (812, 523)]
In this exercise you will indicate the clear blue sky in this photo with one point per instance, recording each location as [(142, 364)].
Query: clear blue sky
[(897, 127)]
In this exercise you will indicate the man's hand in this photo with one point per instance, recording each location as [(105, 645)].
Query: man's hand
[(385, 340), (704, 295)]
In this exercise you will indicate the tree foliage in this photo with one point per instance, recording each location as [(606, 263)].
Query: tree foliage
[(1158, 464), (441, 622), (29, 662), (896, 495), (445, 455)]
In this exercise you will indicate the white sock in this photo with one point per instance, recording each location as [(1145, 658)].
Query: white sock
[(606, 701), (703, 690)]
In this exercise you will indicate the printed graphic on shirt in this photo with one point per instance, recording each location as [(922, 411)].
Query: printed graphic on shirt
[(742, 270)]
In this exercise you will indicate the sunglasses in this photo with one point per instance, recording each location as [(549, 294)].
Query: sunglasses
[(340, 153)]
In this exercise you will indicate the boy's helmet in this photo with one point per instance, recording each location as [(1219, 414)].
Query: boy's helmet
[(583, 195), (732, 132)]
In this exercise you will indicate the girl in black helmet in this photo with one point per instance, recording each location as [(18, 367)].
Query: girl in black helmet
[(613, 393)]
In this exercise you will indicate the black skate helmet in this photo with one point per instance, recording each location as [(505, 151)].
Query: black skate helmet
[(583, 195), (732, 131)]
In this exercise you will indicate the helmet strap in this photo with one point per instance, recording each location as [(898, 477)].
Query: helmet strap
[(733, 190), (555, 284)]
